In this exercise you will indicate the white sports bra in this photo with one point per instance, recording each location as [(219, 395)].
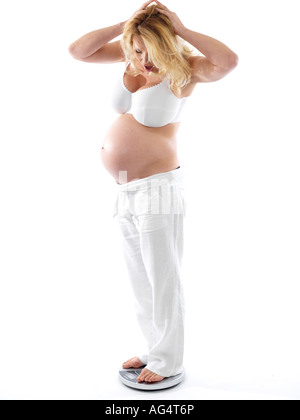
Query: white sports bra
[(153, 106)]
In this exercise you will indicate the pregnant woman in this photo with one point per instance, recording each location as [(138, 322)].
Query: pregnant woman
[(140, 152)]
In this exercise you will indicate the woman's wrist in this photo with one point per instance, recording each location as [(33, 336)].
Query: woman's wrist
[(122, 24)]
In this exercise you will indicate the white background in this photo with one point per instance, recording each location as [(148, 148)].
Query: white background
[(67, 319)]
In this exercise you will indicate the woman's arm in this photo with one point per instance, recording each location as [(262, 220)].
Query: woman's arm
[(215, 51), (219, 60), (91, 42)]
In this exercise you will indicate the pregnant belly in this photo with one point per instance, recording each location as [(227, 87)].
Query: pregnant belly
[(131, 150)]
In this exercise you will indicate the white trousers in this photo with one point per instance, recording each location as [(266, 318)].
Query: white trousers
[(150, 212)]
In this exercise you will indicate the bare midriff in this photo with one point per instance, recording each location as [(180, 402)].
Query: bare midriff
[(132, 151)]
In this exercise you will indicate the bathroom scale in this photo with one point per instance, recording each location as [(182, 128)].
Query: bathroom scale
[(129, 377)]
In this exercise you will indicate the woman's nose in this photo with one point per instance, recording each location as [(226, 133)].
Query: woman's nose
[(145, 58)]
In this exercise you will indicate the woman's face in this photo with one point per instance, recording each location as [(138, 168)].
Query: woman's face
[(141, 55)]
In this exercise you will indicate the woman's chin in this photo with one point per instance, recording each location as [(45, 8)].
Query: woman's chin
[(152, 71)]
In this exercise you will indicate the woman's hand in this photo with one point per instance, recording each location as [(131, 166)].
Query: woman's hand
[(178, 26), (143, 7)]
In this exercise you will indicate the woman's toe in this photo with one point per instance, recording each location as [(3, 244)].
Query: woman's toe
[(156, 378), (134, 362)]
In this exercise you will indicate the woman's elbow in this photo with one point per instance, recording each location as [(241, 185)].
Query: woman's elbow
[(71, 50), (234, 60), (74, 51)]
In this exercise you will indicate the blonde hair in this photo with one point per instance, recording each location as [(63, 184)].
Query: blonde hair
[(166, 50)]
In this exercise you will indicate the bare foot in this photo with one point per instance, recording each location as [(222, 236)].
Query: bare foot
[(148, 376), (135, 362)]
